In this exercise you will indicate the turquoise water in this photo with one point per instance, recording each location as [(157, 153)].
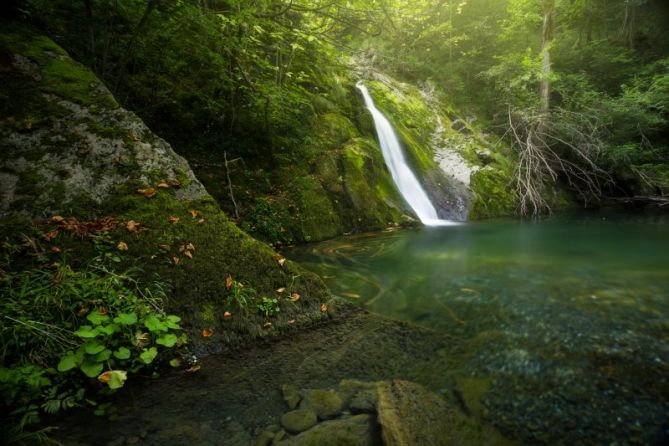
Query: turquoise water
[(566, 317)]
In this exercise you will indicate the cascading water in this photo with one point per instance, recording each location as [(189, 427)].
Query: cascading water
[(404, 178)]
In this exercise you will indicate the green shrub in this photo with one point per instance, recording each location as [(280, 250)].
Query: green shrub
[(62, 329)]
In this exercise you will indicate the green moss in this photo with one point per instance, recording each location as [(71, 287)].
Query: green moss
[(494, 194), (61, 75)]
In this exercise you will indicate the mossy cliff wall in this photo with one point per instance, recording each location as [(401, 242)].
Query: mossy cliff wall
[(68, 149)]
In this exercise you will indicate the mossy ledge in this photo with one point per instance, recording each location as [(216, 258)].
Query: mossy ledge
[(68, 149)]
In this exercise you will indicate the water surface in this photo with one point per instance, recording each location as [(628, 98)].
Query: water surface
[(560, 325)]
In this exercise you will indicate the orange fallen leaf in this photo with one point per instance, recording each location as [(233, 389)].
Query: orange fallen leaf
[(194, 369), (267, 325), (200, 221), (149, 192), (190, 247), (294, 297), (165, 247), (105, 377), (55, 265), (102, 311), (194, 213), (280, 290), (207, 332), (174, 219), (163, 185), (50, 235), (176, 260), (324, 308), (182, 248), (227, 315), (132, 226), (188, 254), (55, 249), (57, 219), (291, 322), (281, 261), (228, 282), (122, 246)]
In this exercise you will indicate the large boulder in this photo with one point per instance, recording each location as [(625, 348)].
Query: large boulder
[(67, 148)]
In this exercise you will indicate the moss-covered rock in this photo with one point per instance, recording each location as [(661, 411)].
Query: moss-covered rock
[(69, 149)]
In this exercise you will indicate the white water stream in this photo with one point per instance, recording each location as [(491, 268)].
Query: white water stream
[(404, 178)]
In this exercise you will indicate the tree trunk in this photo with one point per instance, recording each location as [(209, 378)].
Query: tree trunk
[(548, 33)]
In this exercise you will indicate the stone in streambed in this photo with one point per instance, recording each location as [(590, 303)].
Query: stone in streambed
[(326, 403), (358, 430), (265, 438), (299, 420), (291, 396)]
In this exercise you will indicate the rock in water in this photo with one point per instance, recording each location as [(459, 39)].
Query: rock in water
[(326, 403), (411, 415), (290, 395), (299, 420), (359, 430)]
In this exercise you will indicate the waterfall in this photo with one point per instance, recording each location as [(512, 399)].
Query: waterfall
[(404, 178)]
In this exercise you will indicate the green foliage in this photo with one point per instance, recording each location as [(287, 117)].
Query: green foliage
[(62, 329), (269, 307), (239, 295)]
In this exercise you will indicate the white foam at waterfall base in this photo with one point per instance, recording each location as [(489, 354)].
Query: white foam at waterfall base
[(403, 176)]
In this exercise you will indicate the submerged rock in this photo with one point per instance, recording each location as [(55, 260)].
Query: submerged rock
[(298, 420), (358, 430), (325, 403)]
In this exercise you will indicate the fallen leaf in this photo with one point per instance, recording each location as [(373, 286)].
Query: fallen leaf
[(105, 377), (207, 332), (82, 312), (281, 290), (174, 219), (281, 261), (102, 311), (57, 219), (194, 213), (190, 247), (176, 260), (194, 369), (122, 246), (142, 339), (291, 322), (149, 192), (132, 226), (188, 254), (227, 315), (174, 182), (200, 221), (324, 308), (165, 247), (55, 265), (267, 325), (228, 282), (294, 297), (56, 279), (55, 249), (351, 295), (163, 185), (182, 248), (468, 290), (52, 234)]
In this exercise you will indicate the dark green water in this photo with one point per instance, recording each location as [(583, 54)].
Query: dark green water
[(567, 318)]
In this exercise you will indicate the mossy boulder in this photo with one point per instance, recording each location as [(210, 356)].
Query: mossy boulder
[(299, 420), (357, 430), (69, 149)]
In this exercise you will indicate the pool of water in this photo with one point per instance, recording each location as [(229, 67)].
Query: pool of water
[(559, 326)]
